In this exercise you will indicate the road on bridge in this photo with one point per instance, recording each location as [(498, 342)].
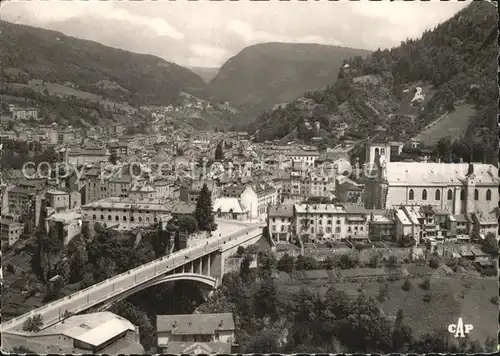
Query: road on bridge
[(101, 291)]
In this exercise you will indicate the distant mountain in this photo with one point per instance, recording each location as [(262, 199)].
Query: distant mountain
[(270, 73), (206, 73), (443, 84), (57, 58)]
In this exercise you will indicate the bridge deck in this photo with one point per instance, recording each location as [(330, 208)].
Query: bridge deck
[(101, 291)]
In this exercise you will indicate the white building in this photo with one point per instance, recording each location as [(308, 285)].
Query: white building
[(258, 198), (126, 213), (280, 222), (457, 187)]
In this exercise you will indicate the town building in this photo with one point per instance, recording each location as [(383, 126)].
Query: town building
[(125, 213), (24, 114), (189, 192), (94, 333), (11, 229), (190, 333), (280, 222), (258, 198), (86, 155), (231, 209), (306, 157), (457, 187), (331, 222)]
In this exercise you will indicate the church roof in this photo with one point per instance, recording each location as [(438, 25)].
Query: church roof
[(424, 173)]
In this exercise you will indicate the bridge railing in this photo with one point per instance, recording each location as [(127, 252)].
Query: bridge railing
[(174, 259)]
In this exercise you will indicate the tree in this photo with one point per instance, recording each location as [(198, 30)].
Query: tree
[(138, 317), (402, 335), (187, 223), (22, 350), (392, 262), (406, 285), (203, 212), (219, 154), (286, 263), (266, 299), (434, 262), (426, 284), (240, 251), (245, 267), (267, 261), (346, 261), (383, 293), (33, 323), (374, 261)]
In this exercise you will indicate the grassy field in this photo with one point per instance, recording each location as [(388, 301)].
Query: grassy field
[(451, 298), (452, 124)]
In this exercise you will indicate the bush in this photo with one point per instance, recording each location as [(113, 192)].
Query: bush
[(434, 262), (240, 251), (427, 298), (426, 285), (10, 268), (406, 285)]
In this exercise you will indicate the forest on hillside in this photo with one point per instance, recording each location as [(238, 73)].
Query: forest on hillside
[(457, 59)]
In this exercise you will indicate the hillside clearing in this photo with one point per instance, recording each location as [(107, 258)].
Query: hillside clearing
[(452, 124)]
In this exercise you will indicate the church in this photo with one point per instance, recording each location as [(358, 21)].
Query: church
[(460, 188)]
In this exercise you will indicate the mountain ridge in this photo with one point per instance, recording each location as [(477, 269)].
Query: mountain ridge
[(451, 67), (269, 73)]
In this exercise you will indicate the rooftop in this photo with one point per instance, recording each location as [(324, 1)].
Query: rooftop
[(194, 324), (281, 210), (229, 205), (94, 328), (439, 173)]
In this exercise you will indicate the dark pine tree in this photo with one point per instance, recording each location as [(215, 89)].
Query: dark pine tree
[(219, 154), (203, 213)]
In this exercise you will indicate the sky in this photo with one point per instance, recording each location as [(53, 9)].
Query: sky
[(206, 33)]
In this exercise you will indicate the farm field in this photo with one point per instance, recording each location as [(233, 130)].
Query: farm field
[(453, 124), (451, 298)]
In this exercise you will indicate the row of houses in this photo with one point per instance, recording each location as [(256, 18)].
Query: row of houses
[(338, 222)]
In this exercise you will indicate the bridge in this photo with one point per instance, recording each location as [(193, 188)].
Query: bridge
[(202, 262)]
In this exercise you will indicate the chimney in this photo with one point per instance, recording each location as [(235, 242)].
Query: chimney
[(221, 322), (471, 169), (461, 160)]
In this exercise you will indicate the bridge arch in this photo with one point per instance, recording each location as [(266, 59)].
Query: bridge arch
[(200, 278)]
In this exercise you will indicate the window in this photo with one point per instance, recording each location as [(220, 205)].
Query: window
[(93, 217), (488, 195), (462, 194), (117, 218), (437, 196), (329, 222), (337, 229), (140, 219), (410, 195), (476, 194), (132, 218), (377, 151), (450, 194), (312, 221), (155, 220), (312, 230), (102, 217), (109, 217), (382, 151), (424, 194), (338, 221), (124, 218)]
